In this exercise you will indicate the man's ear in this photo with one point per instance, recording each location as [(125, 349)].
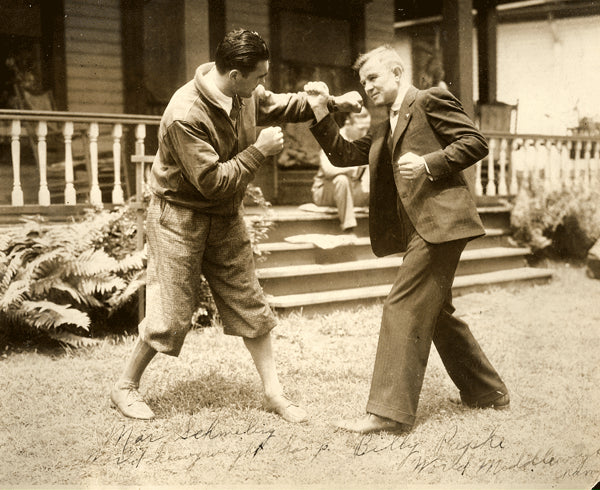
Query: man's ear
[(397, 71), (234, 75)]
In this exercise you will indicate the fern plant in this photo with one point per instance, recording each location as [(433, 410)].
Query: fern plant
[(60, 280), (76, 281), (258, 225)]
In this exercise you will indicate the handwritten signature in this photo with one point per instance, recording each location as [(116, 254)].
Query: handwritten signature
[(453, 451), (485, 455), (123, 445)]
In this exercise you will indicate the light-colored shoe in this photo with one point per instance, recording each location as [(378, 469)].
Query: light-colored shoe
[(128, 400), (286, 409), (370, 424)]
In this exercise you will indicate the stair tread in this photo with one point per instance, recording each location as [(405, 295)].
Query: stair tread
[(498, 277), (378, 263), (288, 246), (292, 213), (360, 241)]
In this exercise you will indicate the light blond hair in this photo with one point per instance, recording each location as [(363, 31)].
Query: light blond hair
[(385, 54)]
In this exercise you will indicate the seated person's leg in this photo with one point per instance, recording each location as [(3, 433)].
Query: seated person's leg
[(342, 195)]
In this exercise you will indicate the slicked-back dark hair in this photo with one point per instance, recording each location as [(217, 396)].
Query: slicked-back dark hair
[(240, 50)]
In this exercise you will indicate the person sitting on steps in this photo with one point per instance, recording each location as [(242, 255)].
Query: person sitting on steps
[(344, 188)]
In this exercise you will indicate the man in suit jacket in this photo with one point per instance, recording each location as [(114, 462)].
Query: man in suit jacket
[(420, 205)]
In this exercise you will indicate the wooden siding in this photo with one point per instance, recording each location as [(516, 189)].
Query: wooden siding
[(93, 56)]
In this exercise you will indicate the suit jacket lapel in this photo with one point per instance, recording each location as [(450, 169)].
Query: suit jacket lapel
[(380, 136), (404, 115)]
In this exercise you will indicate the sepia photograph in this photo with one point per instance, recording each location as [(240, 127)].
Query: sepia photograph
[(300, 244)]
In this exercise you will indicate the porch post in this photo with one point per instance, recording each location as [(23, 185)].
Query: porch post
[(487, 26), (132, 38), (132, 25), (457, 35), (196, 35)]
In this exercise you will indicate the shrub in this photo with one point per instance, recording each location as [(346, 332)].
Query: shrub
[(563, 222), (77, 281), (58, 279), (258, 225)]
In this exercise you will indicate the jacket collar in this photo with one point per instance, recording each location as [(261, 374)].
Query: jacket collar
[(208, 90), (404, 114)]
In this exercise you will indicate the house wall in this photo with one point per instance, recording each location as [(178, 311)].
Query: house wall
[(93, 44), (93, 56), (552, 68)]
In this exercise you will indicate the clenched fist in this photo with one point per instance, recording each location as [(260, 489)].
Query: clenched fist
[(317, 94), (270, 141), (349, 102), (411, 166)]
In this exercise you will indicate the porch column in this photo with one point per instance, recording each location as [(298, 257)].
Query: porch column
[(487, 26), (132, 26), (134, 100), (196, 35), (457, 34)]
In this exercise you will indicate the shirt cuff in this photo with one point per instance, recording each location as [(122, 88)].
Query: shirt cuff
[(429, 176)]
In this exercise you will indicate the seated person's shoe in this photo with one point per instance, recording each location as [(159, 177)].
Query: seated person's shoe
[(502, 402), (286, 409), (126, 397), (370, 423)]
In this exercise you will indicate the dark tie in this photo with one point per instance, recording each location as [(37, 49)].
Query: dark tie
[(390, 140), (235, 108)]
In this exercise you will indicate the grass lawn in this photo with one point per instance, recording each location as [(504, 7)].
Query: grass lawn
[(56, 427)]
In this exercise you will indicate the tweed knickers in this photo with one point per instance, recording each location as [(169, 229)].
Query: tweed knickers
[(183, 245)]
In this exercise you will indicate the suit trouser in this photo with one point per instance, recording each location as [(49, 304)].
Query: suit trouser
[(344, 193), (417, 311)]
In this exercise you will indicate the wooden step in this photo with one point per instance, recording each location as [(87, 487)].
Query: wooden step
[(279, 254), (323, 302), (307, 278), (290, 220)]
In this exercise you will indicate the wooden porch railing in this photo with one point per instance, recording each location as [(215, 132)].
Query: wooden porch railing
[(99, 131), (517, 160), (514, 160)]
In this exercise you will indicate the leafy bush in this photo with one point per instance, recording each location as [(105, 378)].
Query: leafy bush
[(59, 279), (565, 222), (259, 224), (77, 281)]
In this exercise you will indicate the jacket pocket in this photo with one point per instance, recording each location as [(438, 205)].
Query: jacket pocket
[(176, 219)]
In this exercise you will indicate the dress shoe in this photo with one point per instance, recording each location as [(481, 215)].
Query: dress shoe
[(370, 424), (500, 403), (286, 409), (127, 399)]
